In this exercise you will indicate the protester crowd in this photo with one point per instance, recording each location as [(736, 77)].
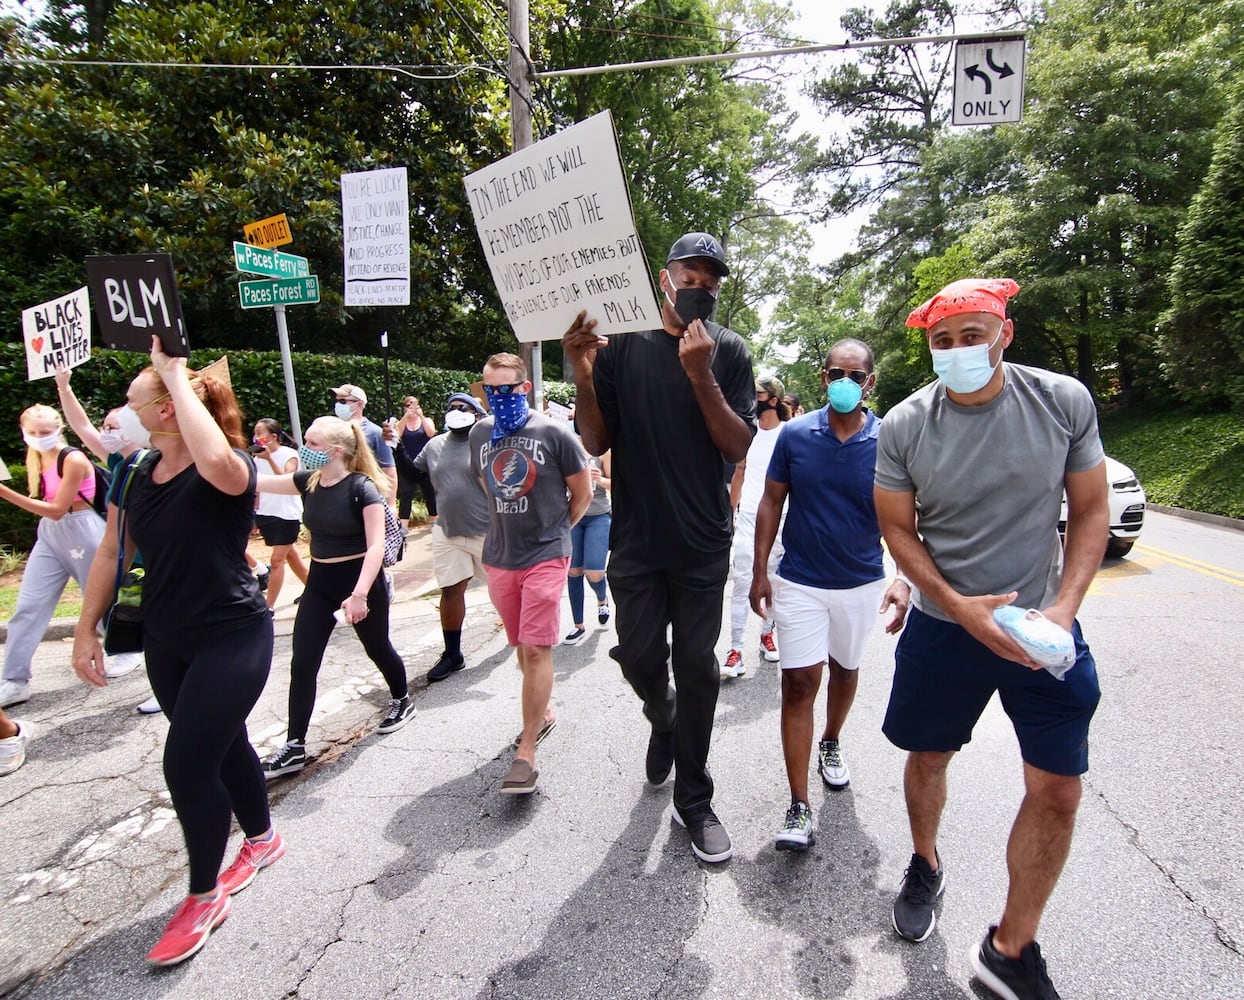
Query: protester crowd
[(962, 481)]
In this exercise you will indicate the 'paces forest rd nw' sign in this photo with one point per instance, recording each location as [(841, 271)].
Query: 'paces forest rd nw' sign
[(556, 226)]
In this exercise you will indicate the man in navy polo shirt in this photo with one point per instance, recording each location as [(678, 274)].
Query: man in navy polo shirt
[(830, 580)]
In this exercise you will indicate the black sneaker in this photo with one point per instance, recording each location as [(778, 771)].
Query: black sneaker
[(290, 758), (262, 579), (1022, 978), (400, 712), (602, 613), (660, 759), (709, 840), (445, 666), (575, 637), (913, 915)]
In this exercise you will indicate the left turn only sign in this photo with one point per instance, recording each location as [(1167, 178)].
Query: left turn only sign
[(989, 81)]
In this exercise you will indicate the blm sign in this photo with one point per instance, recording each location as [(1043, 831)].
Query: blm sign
[(135, 296)]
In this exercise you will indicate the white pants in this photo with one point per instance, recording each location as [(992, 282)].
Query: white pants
[(742, 555), (64, 548)]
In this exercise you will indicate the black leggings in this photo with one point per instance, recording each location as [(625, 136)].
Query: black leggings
[(406, 487), (328, 584), (207, 688)]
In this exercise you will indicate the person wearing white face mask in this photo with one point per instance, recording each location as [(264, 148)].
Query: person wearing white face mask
[(458, 534), (69, 533), (970, 477), (112, 448)]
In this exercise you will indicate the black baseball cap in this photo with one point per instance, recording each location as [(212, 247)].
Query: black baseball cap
[(699, 245)]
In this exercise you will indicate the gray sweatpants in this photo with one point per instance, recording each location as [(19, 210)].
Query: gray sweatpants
[(64, 548)]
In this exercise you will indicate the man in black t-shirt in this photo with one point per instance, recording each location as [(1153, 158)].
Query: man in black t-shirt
[(673, 404)]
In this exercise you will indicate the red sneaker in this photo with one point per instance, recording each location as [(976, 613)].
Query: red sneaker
[(250, 859), (188, 931), (768, 647), (733, 667)]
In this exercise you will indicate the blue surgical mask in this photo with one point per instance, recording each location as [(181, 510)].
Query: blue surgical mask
[(844, 395), (344, 411), (965, 369), (510, 411), (312, 459)]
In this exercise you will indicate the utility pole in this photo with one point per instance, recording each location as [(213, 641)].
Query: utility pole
[(521, 137)]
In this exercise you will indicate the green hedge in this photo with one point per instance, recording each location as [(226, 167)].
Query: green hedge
[(257, 380), (1194, 461)]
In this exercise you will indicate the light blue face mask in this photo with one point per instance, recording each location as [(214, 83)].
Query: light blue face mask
[(965, 369), (844, 395), (344, 411), (312, 459)]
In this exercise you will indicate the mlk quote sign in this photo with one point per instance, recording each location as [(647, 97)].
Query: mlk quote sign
[(57, 334), (556, 226)]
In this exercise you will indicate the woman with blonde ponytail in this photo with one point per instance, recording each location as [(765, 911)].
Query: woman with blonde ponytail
[(343, 493), (68, 534)]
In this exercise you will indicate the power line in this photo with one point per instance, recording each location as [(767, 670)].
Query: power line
[(418, 72)]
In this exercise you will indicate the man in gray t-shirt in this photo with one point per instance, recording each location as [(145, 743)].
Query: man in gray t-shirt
[(458, 535), (970, 476), (535, 474)]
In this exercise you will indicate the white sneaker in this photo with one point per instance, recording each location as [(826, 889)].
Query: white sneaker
[(13, 748), (120, 664), (768, 648), (14, 693), (733, 667), (148, 707)]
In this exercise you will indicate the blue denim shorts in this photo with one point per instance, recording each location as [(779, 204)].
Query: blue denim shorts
[(944, 678)]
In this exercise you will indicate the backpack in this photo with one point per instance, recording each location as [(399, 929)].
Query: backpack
[(394, 533), (103, 481)]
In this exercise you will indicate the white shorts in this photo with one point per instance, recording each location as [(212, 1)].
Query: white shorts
[(456, 557), (816, 625)]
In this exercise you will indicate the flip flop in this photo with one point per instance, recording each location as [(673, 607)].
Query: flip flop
[(520, 779), (545, 728)]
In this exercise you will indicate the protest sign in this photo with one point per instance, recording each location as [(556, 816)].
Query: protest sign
[(57, 334), (558, 411), (135, 296), (557, 230), (375, 225)]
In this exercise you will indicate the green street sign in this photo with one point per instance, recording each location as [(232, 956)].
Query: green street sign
[(286, 292), (258, 260)]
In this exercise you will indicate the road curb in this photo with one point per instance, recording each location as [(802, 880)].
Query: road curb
[(1196, 515)]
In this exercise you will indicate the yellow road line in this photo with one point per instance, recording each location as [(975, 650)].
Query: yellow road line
[(1206, 569)]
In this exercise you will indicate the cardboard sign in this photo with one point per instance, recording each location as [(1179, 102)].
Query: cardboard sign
[(57, 334), (557, 230), (375, 224), (135, 296)]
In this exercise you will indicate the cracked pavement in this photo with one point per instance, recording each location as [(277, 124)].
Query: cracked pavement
[(408, 875)]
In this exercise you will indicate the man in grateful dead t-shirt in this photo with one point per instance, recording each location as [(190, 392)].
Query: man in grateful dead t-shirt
[(536, 476)]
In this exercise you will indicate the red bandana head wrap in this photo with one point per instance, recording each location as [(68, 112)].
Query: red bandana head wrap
[(971, 295)]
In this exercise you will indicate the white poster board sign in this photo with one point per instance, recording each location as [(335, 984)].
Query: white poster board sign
[(557, 230), (375, 227), (57, 334)]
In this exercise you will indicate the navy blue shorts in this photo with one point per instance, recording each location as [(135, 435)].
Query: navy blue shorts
[(944, 678)]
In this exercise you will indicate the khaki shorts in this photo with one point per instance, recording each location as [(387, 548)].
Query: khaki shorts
[(456, 557)]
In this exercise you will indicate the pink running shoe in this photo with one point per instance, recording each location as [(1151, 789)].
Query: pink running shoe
[(189, 929), (251, 858)]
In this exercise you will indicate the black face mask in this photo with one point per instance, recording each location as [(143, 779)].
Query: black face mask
[(767, 404), (694, 303)]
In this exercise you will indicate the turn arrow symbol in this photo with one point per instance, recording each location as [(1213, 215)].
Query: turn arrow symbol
[(1003, 71), (973, 72)]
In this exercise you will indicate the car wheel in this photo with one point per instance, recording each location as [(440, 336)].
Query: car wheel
[(1117, 548)]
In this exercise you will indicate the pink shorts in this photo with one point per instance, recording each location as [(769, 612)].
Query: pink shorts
[(529, 601)]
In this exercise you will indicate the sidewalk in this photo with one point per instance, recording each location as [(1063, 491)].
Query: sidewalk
[(412, 579)]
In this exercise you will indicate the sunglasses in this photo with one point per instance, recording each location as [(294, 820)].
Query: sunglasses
[(855, 375), (460, 408), (505, 390)]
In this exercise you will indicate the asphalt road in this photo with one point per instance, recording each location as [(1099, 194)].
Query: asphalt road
[(408, 875)]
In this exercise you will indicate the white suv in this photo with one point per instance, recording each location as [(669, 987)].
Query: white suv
[(1127, 508)]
